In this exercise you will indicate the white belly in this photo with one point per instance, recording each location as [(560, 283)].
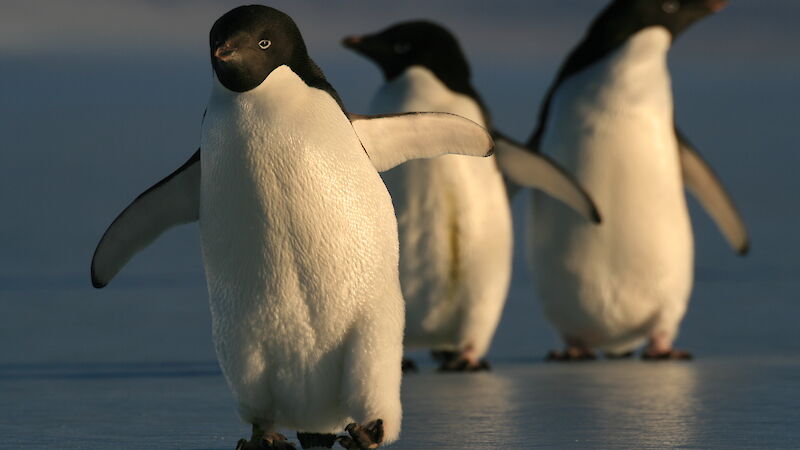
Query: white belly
[(454, 227), (612, 127), (299, 244)]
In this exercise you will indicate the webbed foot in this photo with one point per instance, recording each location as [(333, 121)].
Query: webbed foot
[(451, 361), (409, 366), (626, 355), (571, 354), (666, 355), (464, 365), (363, 436), (266, 441), (316, 440)]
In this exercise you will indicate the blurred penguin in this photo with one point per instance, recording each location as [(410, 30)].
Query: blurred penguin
[(453, 213), (608, 118)]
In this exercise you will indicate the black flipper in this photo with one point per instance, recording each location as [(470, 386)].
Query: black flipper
[(701, 181), (524, 168), (175, 200)]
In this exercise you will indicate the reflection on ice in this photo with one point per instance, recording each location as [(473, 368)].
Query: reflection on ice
[(608, 404), (641, 402)]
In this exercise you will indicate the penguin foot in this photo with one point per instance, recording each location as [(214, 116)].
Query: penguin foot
[(363, 436), (571, 354), (409, 366), (316, 440), (626, 355), (462, 364), (667, 355), (452, 361), (442, 356), (267, 441)]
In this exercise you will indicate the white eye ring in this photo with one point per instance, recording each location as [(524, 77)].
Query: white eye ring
[(401, 48), (671, 6), (264, 44)]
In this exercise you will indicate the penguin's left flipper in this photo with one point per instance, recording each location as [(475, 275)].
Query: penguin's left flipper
[(393, 139), (529, 169), (706, 187), (172, 201)]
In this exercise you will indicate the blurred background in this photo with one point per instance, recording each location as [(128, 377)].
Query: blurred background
[(102, 98)]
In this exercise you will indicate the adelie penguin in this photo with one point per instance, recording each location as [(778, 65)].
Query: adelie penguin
[(453, 212), (608, 118), (299, 236)]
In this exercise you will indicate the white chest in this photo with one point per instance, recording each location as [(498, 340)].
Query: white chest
[(418, 89), (287, 195), (612, 127)]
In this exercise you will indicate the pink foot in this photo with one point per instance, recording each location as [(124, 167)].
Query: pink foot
[(571, 354), (666, 355), (660, 349), (464, 361)]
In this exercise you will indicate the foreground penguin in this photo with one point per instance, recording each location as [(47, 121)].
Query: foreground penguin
[(453, 212), (298, 234), (608, 118)]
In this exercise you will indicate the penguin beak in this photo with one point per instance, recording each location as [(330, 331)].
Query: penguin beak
[(352, 41), (716, 5), (225, 53)]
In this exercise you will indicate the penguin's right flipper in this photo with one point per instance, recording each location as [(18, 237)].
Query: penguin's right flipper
[(393, 139), (172, 201), (704, 184), (524, 168)]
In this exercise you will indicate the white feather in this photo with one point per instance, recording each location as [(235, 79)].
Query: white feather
[(300, 248), (394, 139), (454, 226), (611, 286)]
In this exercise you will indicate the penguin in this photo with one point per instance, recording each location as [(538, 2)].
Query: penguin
[(608, 118), (453, 212), (298, 234)]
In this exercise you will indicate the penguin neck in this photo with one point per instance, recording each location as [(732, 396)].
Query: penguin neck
[(282, 88), (640, 64), (418, 88)]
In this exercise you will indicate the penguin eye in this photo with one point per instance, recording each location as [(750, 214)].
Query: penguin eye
[(402, 47), (671, 6), (264, 44)]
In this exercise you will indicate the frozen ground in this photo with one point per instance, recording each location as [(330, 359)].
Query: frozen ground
[(89, 121), (132, 367)]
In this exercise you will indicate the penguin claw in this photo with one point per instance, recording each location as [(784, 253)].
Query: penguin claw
[(462, 364), (450, 361), (409, 366), (668, 355), (625, 355), (269, 441), (316, 440), (571, 354), (363, 436)]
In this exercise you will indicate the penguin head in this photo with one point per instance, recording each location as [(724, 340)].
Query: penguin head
[(674, 15), (407, 44), (249, 42)]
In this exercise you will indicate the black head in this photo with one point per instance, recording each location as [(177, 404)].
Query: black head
[(413, 43), (627, 17), (615, 25), (249, 42)]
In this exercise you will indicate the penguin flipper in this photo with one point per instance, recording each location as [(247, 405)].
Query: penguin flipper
[(701, 181), (527, 169), (172, 201), (393, 139)]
